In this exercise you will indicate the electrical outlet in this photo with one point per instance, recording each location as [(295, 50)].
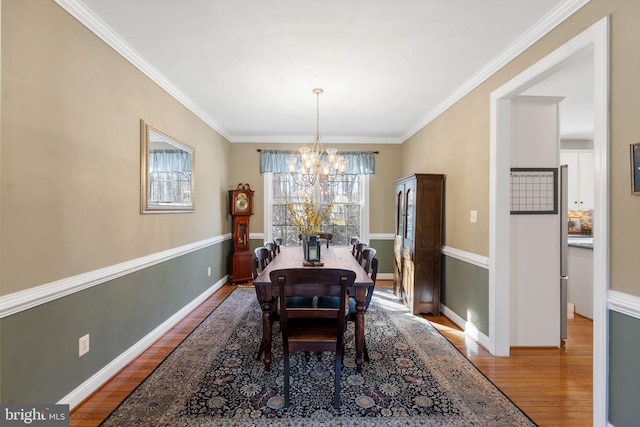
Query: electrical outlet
[(473, 216), (209, 271), (83, 345)]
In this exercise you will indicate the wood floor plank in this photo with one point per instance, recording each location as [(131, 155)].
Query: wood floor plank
[(552, 386)]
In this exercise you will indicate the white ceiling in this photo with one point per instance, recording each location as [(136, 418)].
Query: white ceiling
[(387, 67)]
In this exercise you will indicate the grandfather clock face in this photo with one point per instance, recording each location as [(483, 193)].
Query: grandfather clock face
[(241, 202)]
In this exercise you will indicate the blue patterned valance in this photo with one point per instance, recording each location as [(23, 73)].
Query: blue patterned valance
[(358, 162)]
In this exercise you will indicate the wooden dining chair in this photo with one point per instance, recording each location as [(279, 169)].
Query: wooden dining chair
[(353, 242), (261, 261), (328, 237), (313, 329), (367, 256), (278, 242), (272, 248), (324, 302), (360, 246)]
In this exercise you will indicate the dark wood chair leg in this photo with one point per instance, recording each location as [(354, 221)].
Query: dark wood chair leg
[(260, 351), (336, 397), (285, 363)]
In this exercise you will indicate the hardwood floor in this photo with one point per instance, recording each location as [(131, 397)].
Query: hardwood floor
[(552, 386)]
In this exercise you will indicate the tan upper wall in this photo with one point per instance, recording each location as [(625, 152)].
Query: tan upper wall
[(69, 175), (245, 167), (457, 142), (70, 144)]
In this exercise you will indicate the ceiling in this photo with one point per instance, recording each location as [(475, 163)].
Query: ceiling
[(248, 67)]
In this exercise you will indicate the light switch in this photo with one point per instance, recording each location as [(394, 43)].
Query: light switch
[(473, 216)]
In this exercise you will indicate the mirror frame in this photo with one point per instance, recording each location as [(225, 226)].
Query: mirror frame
[(149, 134), (634, 165)]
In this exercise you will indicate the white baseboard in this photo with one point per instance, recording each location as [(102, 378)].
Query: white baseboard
[(105, 374), (469, 329)]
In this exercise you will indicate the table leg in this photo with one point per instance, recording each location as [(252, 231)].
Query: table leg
[(267, 323), (361, 294)]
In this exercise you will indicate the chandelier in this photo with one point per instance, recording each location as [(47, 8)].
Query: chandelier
[(316, 164)]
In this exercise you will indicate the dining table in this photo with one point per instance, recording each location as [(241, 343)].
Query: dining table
[(293, 257)]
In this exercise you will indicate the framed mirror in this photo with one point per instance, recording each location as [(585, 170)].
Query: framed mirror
[(167, 172), (634, 155)]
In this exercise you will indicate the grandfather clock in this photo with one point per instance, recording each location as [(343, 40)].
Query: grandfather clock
[(241, 208)]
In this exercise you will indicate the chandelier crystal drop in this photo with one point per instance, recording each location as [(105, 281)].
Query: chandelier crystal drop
[(316, 164)]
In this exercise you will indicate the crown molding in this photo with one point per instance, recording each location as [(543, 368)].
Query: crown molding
[(535, 33), (86, 17), (90, 20)]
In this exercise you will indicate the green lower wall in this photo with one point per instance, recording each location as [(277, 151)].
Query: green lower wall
[(384, 253), (465, 290), (624, 371), (39, 346)]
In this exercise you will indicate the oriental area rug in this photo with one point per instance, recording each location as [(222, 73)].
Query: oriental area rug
[(415, 378)]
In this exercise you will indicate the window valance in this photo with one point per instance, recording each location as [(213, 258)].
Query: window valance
[(358, 162)]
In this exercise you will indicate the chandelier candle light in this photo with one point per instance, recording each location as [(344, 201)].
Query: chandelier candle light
[(315, 163)]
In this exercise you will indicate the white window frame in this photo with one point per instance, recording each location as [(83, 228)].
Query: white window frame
[(267, 234)]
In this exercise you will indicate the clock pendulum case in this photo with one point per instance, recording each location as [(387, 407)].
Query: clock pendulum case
[(241, 208)]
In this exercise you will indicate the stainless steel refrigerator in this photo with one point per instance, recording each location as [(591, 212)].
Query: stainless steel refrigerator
[(564, 249)]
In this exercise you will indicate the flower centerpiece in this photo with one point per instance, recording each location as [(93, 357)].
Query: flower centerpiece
[(307, 218)]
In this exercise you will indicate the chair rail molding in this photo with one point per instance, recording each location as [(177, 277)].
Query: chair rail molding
[(29, 298), (624, 303), (469, 257)]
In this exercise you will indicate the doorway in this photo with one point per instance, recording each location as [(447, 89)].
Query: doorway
[(500, 316)]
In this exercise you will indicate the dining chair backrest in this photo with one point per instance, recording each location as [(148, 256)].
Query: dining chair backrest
[(313, 329), (271, 247), (360, 246), (262, 259), (353, 242), (372, 287), (278, 242), (374, 276), (328, 237), (367, 256)]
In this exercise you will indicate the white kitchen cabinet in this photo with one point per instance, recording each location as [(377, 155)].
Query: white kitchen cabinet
[(581, 177)]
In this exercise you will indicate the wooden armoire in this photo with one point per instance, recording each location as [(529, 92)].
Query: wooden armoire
[(419, 211)]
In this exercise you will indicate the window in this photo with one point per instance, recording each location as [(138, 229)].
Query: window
[(348, 216), (349, 196)]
